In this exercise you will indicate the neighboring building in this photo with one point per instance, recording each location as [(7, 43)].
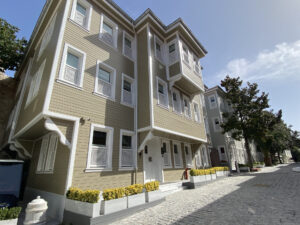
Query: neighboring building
[(225, 150), (107, 101)]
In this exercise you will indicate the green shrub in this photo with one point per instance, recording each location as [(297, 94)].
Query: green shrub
[(113, 193), (90, 196), (152, 186), (134, 189), (10, 213), (296, 154), (201, 172)]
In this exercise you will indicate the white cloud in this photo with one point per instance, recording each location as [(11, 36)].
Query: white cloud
[(283, 62)]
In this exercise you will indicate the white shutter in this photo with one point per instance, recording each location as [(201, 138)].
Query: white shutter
[(43, 154), (49, 167)]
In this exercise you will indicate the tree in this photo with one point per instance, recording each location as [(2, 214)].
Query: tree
[(11, 49), (248, 107)]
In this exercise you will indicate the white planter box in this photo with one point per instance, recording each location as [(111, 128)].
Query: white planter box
[(153, 196), (213, 176), (198, 179), (220, 173), (136, 200), (83, 208), (114, 205), (245, 169), (260, 166), (9, 222), (208, 177)]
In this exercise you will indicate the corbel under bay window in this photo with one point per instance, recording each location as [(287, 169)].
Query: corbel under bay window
[(108, 31), (162, 93), (100, 148), (128, 91), (81, 13), (127, 156), (177, 155)]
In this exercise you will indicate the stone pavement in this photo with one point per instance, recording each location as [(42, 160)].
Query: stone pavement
[(269, 197)]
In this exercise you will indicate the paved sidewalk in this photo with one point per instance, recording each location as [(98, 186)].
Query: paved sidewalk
[(269, 197)]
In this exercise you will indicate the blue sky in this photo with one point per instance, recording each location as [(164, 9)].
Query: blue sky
[(257, 40)]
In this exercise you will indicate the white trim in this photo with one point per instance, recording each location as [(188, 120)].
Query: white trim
[(144, 129), (214, 125), (28, 125), (165, 85), (136, 99), (178, 100), (82, 58), (198, 105), (209, 102), (190, 153), (168, 145), (133, 90), (109, 142), (179, 149), (175, 42), (133, 46), (69, 84), (134, 149), (184, 97), (115, 30), (19, 145), (112, 71), (150, 77), (89, 9), (225, 152)]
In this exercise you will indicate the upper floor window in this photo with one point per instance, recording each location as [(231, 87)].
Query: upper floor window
[(176, 101), (185, 54), (127, 151), (197, 67), (158, 49), (128, 45), (72, 67), (81, 13), (105, 80), (172, 50), (100, 148), (108, 31), (177, 155), (197, 112), (162, 93), (127, 97), (35, 83), (166, 154), (212, 101), (217, 124), (186, 106)]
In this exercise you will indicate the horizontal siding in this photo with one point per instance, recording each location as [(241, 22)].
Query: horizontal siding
[(189, 72)]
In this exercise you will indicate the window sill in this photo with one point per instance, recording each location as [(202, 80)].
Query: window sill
[(111, 46), (68, 84), (168, 167), (128, 105), (96, 170), (104, 96), (130, 58), (126, 169), (188, 117), (178, 167), (163, 106), (42, 172), (78, 25), (178, 113)]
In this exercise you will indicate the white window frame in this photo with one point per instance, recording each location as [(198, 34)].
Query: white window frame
[(115, 31), (113, 78), (190, 165), (199, 114), (134, 152), (188, 54), (89, 10), (196, 63), (109, 140), (219, 151), (210, 104), (132, 82), (82, 58), (132, 39), (179, 101), (198, 158), (214, 125), (168, 145), (162, 49), (189, 104), (180, 154), (44, 161), (165, 85), (35, 84), (176, 52)]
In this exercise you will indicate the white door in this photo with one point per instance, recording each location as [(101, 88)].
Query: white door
[(153, 166), (222, 154)]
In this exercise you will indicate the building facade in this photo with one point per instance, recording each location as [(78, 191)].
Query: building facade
[(107, 101)]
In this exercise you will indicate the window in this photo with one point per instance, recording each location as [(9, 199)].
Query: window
[(176, 101), (47, 36), (81, 13), (186, 106), (188, 155), (47, 154), (197, 67), (222, 153), (217, 125), (100, 148), (177, 155), (35, 83), (127, 159), (108, 31), (197, 112), (212, 101), (105, 80), (185, 54), (162, 93), (128, 45), (158, 49), (172, 50), (72, 67), (167, 154), (127, 97)]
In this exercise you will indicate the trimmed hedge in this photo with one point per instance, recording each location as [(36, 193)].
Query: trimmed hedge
[(152, 186), (134, 189), (9, 213), (90, 196), (113, 193), (221, 168), (201, 172)]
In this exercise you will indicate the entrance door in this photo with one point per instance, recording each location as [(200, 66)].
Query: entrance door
[(222, 154), (153, 161)]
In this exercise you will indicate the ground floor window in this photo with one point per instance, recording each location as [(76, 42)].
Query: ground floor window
[(127, 158), (177, 155)]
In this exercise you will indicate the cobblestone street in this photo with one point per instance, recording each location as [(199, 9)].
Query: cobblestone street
[(269, 197)]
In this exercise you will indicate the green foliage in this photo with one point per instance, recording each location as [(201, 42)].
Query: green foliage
[(152, 186), (113, 193), (221, 168), (90, 196), (11, 49), (296, 154), (134, 189), (9, 213)]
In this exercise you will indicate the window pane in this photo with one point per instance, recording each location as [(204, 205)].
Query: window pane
[(108, 29), (216, 121), (186, 150), (99, 138), (104, 75), (81, 9), (72, 60), (175, 149), (126, 141), (174, 97), (171, 48), (212, 99), (127, 86), (185, 103), (161, 88), (127, 42), (157, 46), (222, 150)]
